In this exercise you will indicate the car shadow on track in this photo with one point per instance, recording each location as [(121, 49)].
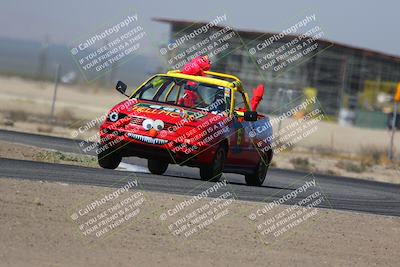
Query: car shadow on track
[(265, 186)]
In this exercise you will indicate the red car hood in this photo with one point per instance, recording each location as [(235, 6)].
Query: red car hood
[(169, 114)]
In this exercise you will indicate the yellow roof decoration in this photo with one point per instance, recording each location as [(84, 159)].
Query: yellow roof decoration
[(214, 78)]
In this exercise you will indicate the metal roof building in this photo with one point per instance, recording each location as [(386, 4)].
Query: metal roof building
[(343, 76)]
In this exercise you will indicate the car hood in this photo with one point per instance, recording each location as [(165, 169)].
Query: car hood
[(169, 114)]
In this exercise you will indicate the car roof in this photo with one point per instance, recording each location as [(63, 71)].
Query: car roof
[(214, 78)]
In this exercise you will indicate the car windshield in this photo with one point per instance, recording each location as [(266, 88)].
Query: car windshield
[(186, 93)]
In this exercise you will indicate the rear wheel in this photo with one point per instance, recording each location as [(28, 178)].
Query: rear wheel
[(257, 178), (213, 172), (109, 159), (157, 166)]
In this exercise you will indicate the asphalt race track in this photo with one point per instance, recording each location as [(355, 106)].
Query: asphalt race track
[(341, 193)]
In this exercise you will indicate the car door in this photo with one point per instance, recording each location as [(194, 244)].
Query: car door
[(242, 152)]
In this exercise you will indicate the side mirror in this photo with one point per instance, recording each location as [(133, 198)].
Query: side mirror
[(250, 116), (121, 87)]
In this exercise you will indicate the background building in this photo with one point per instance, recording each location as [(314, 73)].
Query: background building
[(353, 82)]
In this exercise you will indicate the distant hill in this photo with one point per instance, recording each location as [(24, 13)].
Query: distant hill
[(22, 58)]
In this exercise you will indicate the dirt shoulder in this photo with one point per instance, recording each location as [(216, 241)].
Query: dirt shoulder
[(24, 152), (36, 230), (360, 168)]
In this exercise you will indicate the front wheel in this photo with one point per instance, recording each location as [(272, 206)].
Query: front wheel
[(213, 172), (109, 159), (257, 178), (156, 166)]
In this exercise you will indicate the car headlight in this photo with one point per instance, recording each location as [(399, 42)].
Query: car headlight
[(113, 116)]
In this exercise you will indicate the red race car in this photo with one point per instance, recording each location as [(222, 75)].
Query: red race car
[(197, 121)]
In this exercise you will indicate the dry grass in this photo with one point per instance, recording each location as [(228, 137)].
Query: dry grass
[(301, 164), (17, 115), (61, 157), (323, 150), (45, 129), (372, 155), (330, 172), (351, 166), (7, 122), (66, 115)]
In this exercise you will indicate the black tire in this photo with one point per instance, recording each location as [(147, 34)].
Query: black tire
[(157, 166), (109, 159), (213, 172), (257, 178)]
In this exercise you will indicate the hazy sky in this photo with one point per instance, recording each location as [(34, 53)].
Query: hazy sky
[(366, 24)]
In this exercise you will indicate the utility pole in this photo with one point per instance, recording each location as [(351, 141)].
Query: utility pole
[(285, 96), (42, 60), (104, 81), (396, 100), (391, 152), (343, 86), (56, 81), (280, 94)]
